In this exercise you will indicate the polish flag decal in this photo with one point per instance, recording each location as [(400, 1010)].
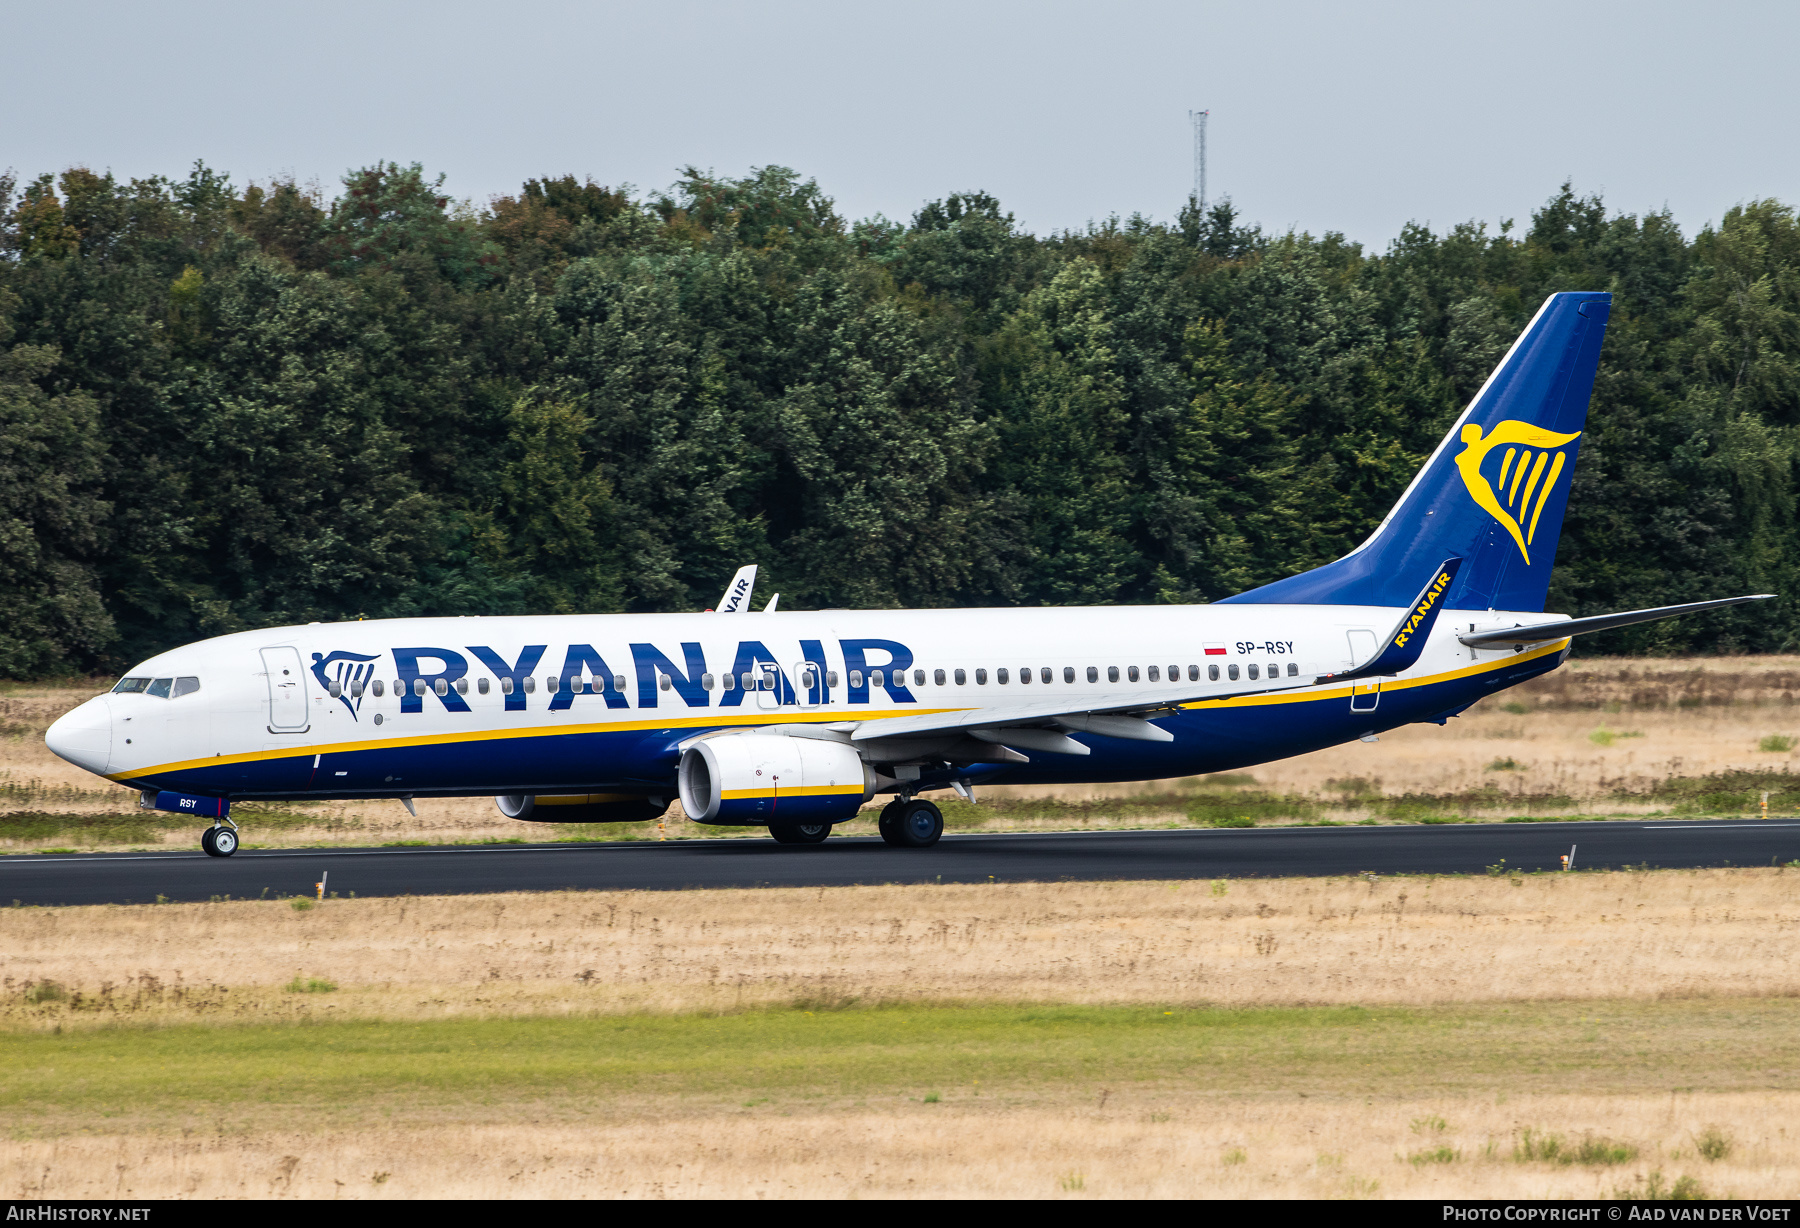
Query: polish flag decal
[(1215, 650)]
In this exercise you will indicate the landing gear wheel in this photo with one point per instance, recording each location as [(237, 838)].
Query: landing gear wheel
[(917, 825), (801, 833), (219, 841), (889, 822)]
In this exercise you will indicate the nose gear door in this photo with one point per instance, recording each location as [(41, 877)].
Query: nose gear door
[(287, 690)]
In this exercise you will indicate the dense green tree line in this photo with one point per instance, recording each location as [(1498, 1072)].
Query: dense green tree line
[(222, 408)]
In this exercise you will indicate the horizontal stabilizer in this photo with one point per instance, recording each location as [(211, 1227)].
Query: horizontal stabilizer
[(1539, 633)]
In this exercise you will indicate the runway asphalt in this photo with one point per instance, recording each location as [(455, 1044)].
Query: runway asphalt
[(139, 878)]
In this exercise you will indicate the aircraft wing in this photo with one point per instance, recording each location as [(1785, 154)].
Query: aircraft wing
[(1043, 723), (1538, 633)]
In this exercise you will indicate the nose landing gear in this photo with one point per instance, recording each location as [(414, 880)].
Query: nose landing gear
[(220, 840)]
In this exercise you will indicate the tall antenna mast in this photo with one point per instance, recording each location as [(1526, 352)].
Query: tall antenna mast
[(1198, 119)]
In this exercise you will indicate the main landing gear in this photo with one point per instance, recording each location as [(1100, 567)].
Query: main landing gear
[(911, 823), (801, 833), (220, 840)]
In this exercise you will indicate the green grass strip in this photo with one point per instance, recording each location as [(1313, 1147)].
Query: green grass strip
[(381, 1066)]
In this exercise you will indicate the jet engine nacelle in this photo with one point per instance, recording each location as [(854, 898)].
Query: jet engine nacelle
[(581, 807), (752, 778)]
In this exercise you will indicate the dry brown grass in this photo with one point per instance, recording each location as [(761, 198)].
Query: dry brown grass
[(1267, 942), (1670, 718), (1134, 1143), (1665, 1000)]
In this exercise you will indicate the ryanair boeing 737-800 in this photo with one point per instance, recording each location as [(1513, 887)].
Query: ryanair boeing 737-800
[(794, 720)]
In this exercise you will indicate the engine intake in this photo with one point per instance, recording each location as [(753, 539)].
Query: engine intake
[(754, 779), (580, 807)]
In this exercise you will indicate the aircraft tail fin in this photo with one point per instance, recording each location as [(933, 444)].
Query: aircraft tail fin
[(1494, 491)]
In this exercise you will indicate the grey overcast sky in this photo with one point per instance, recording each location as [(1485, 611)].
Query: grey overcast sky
[(1325, 116)]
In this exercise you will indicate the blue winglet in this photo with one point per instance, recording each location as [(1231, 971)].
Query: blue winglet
[(1402, 649)]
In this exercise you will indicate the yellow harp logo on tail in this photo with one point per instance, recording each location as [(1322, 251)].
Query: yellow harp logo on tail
[(1530, 459)]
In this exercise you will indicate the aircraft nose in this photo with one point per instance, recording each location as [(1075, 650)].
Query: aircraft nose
[(84, 736)]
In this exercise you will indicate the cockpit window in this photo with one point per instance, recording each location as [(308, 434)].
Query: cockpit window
[(160, 687), (184, 686), (131, 686)]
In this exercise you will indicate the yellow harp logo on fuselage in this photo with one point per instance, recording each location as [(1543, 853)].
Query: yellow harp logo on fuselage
[(1520, 487)]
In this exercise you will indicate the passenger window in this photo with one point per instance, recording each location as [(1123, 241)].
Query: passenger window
[(1000, 675), (918, 677), (441, 687), (378, 688), (938, 677), (1193, 673), (552, 684), (1155, 674), (1044, 675), (1112, 673), (481, 685), (1253, 672), (962, 678), (877, 677), (1025, 675), (831, 678), (160, 687), (530, 685), (356, 689), (131, 686), (706, 682), (1131, 673), (981, 677), (1093, 674), (334, 688), (1068, 673), (462, 686), (1231, 671), (618, 683), (506, 687), (184, 686), (1174, 673), (1212, 673), (747, 680), (662, 681), (1293, 670), (856, 678)]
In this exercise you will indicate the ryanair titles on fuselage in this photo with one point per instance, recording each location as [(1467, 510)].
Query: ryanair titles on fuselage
[(869, 665)]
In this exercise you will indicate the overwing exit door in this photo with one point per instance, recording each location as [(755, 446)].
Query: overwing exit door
[(287, 690)]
